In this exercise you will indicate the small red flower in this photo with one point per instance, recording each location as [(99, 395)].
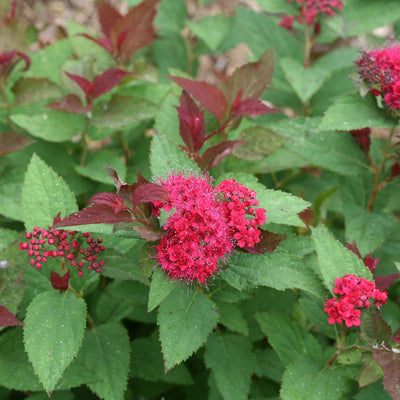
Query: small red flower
[(312, 9), (355, 292)]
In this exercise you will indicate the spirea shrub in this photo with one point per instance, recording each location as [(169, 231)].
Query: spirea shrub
[(177, 223)]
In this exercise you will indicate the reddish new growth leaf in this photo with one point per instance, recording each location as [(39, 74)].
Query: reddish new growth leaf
[(362, 137), (124, 35), (389, 360), (12, 141), (8, 61), (101, 84), (59, 282), (7, 318)]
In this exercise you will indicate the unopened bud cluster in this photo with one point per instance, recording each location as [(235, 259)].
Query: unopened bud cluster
[(355, 293), (45, 243)]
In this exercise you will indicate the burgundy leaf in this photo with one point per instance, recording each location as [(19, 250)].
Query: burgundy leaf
[(354, 249), (83, 83), (110, 199), (148, 192), (371, 263), (250, 80), (191, 123), (252, 107), (72, 103), (215, 154), (268, 243), (362, 137), (389, 361), (395, 171), (135, 30), (106, 43), (307, 216), (210, 97), (59, 282), (148, 233), (108, 16), (115, 177), (96, 214), (13, 141), (106, 81), (7, 57), (7, 318), (384, 282)]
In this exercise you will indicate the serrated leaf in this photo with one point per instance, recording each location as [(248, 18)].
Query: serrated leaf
[(166, 158), (354, 112), (53, 332), (279, 270), (288, 338), (147, 363), (231, 316), (16, 370), (335, 261), (44, 195), (185, 321), (160, 288), (105, 351), (306, 379), (52, 126), (231, 359), (122, 112)]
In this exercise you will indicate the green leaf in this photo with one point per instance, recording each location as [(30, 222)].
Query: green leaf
[(94, 167), (374, 329), (370, 371), (160, 288), (11, 180), (166, 158), (220, 26), (105, 351), (122, 112), (231, 316), (279, 270), (277, 6), (288, 338), (52, 126), (185, 321), (343, 157), (33, 90), (268, 365), (354, 112), (231, 359), (44, 195), (335, 261), (304, 81), (147, 363), (121, 267), (16, 370), (171, 16), (53, 331), (13, 263), (259, 143), (306, 379)]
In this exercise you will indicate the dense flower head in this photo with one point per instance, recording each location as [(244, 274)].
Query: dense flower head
[(311, 9), (204, 226), (380, 69), (355, 293), (45, 243)]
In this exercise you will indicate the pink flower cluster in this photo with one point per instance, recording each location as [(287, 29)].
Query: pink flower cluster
[(310, 9), (355, 293), (203, 227), (380, 69), (44, 243)]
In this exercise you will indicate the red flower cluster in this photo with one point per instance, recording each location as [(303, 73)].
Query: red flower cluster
[(65, 245), (355, 292), (380, 69), (204, 227), (238, 203), (310, 9)]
